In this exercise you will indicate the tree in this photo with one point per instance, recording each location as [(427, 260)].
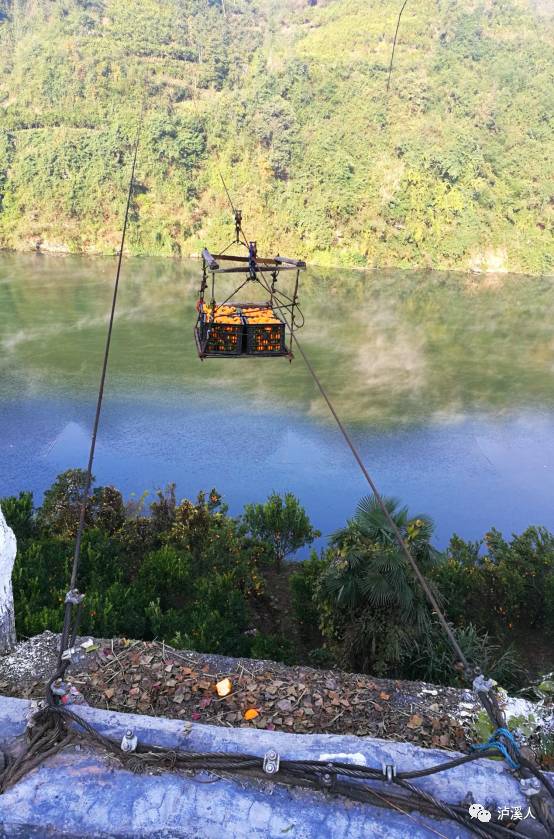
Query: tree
[(61, 507), (282, 522), (372, 607)]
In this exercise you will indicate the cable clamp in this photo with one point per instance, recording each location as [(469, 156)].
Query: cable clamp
[(530, 786), (271, 762), (129, 742), (507, 752), (328, 778), (389, 772), (74, 597), (482, 685)]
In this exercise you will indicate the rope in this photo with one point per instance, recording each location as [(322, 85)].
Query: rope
[(62, 665), (394, 43), (510, 755), (228, 194)]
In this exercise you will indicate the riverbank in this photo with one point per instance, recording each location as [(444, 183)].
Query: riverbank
[(489, 263)]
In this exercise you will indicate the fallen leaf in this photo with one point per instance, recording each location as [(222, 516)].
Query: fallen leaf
[(384, 695), (415, 722), (251, 714)]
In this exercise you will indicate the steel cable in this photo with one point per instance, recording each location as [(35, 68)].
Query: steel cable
[(62, 665), (53, 729)]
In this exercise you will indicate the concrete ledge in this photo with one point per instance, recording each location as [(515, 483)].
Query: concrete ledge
[(78, 793)]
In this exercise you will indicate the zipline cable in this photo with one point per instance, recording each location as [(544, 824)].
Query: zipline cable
[(390, 521), (488, 700), (227, 192), (394, 43), (88, 478), (504, 739)]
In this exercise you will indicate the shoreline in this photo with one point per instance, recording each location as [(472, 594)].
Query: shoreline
[(63, 252)]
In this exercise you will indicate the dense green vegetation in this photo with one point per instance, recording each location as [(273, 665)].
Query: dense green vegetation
[(185, 572), (288, 100), (373, 616), (200, 579)]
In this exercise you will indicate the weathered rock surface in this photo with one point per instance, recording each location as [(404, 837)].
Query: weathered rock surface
[(8, 549)]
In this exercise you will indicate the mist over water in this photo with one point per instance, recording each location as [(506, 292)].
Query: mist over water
[(445, 380)]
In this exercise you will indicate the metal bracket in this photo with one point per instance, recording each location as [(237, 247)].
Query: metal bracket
[(271, 762), (238, 224)]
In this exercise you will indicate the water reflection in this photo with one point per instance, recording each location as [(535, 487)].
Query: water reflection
[(446, 381)]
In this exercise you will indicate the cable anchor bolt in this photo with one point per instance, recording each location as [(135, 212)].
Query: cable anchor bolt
[(328, 778), (129, 742), (271, 762)]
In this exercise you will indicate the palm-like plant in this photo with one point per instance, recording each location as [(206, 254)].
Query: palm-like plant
[(370, 589)]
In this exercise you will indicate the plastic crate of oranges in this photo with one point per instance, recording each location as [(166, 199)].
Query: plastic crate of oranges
[(222, 332), (265, 332)]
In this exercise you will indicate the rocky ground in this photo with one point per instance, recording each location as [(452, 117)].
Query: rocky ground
[(152, 678)]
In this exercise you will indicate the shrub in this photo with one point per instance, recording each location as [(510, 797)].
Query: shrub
[(303, 584), (186, 570), (282, 522), (273, 648), (431, 658), (61, 506), (19, 514), (507, 588)]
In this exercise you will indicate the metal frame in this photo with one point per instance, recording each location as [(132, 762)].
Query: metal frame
[(253, 266)]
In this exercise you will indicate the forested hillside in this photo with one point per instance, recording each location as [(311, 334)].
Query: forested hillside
[(287, 98)]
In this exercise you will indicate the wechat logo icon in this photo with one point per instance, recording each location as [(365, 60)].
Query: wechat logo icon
[(477, 811)]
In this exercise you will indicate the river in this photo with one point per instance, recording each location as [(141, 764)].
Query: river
[(445, 381)]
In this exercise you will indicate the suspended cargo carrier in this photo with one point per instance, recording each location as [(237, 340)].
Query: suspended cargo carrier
[(233, 329)]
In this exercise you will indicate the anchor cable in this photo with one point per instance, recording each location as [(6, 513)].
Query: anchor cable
[(62, 665)]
